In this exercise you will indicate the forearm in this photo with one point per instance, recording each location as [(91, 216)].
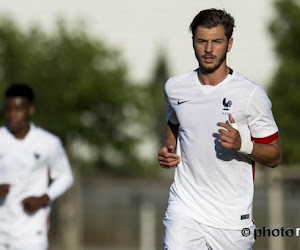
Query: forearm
[(171, 134), (267, 154), (166, 156), (59, 186)]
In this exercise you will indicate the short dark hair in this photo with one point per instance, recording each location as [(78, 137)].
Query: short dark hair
[(211, 18), (20, 90)]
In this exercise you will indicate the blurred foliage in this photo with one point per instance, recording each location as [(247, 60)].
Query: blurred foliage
[(285, 88), (156, 90), (83, 94)]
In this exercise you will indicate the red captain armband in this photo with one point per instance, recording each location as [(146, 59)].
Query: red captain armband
[(266, 140)]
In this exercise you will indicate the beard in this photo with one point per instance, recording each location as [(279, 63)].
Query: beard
[(205, 70)]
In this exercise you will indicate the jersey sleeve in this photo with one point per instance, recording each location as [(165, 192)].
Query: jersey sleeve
[(59, 171), (260, 117), (172, 117)]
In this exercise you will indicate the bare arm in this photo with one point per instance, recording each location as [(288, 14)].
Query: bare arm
[(171, 134), (266, 154), (166, 156)]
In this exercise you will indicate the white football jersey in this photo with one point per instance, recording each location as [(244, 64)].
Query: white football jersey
[(215, 184), (27, 165)]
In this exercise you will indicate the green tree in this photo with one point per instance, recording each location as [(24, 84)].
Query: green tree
[(83, 92), (285, 88), (158, 110)]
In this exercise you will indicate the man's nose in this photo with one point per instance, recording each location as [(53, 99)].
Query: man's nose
[(209, 47)]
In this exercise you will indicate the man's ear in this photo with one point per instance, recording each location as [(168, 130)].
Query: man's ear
[(31, 110), (230, 42)]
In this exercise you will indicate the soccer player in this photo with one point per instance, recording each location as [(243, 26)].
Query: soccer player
[(219, 123), (29, 158)]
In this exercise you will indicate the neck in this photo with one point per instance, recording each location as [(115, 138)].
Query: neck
[(214, 78), (21, 134)]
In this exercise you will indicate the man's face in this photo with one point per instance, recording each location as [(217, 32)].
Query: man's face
[(18, 111), (211, 47)]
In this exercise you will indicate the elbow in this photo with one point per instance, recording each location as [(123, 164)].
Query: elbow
[(70, 181), (276, 162)]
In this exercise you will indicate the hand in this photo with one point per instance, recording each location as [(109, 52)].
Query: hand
[(4, 188), (32, 204), (230, 138), (166, 157)]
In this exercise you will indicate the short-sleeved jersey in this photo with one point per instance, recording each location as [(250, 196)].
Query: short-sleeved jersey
[(27, 165), (214, 183)]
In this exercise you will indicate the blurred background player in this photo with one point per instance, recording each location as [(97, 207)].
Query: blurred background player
[(30, 159), (223, 123)]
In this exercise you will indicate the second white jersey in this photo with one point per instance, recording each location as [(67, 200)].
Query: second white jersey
[(215, 184), (26, 165)]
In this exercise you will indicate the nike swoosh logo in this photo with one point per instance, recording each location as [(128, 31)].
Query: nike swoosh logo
[(180, 102)]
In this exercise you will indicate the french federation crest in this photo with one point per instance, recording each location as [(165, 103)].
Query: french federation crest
[(226, 104)]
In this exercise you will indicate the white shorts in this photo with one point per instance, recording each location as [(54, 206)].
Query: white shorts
[(25, 246), (184, 233)]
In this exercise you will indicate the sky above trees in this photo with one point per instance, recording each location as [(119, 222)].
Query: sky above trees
[(141, 28)]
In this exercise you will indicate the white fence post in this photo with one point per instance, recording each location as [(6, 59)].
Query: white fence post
[(275, 207), (147, 226)]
